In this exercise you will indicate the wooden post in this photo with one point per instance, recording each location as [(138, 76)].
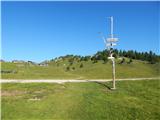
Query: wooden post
[(113, 73)]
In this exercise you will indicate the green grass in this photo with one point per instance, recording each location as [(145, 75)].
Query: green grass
[(89, 71), (133, 100)]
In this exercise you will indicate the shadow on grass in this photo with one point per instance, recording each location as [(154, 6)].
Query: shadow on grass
[(106, 84)]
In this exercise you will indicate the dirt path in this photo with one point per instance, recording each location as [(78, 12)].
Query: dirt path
[(64, 81)]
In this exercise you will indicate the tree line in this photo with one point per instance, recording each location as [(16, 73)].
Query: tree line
[(103, 55), (144, 56)]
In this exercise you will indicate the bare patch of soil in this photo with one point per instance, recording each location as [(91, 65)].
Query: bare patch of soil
[(12, 93)]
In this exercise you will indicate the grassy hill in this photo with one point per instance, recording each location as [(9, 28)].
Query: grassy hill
[(76, 69), (133, 100)]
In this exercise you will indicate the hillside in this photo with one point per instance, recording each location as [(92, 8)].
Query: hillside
[(129, 64), (75, 69)]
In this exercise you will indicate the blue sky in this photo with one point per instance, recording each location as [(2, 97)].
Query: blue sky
[(44, 30)]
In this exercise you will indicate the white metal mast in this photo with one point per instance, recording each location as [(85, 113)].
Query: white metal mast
[(111, 42), (111, 27)]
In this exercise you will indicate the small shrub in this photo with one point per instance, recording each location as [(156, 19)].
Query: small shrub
[(73, 68), (130, 61), (81, 65), (71, 63), (68, 68), (123, 60)]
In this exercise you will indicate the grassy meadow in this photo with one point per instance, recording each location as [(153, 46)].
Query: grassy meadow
[(133, 100), (90, 70)]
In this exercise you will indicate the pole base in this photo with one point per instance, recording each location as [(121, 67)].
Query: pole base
[(113, 88)]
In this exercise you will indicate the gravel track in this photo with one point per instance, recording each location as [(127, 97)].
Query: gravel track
[(69, 80)]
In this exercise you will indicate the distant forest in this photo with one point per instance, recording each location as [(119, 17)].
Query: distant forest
[(103, 55)]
